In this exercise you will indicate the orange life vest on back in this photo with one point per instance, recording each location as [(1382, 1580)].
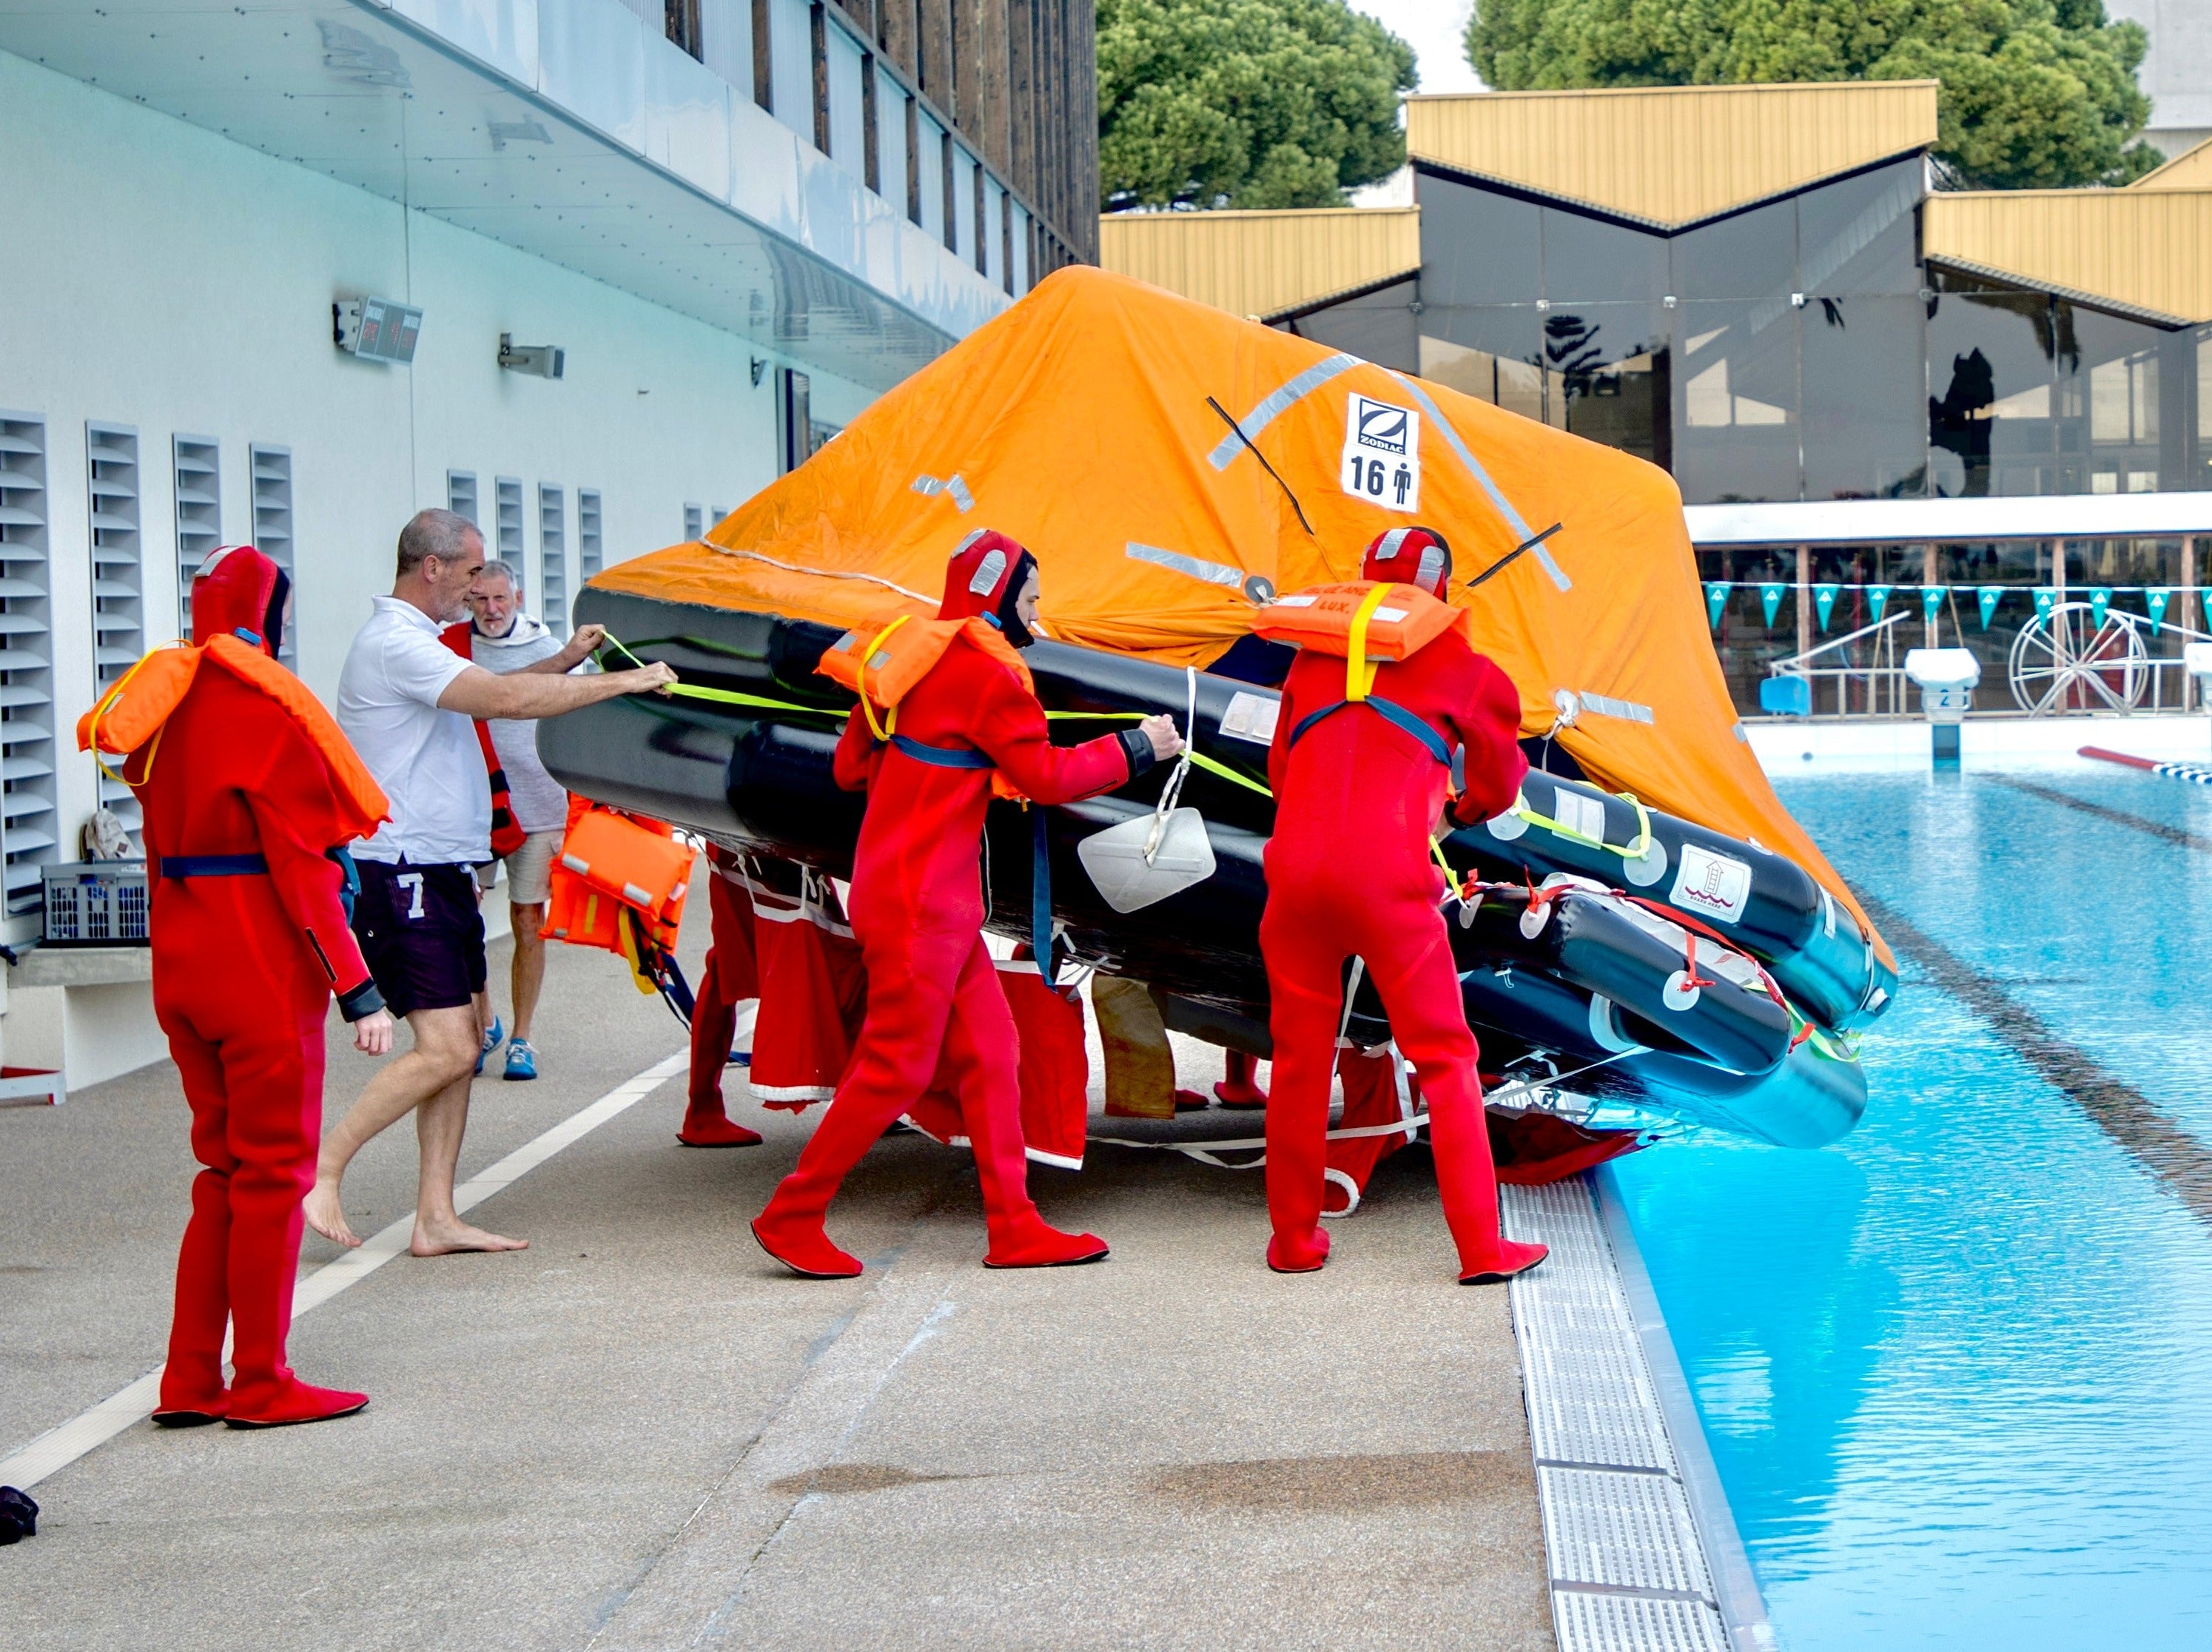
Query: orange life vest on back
[(127, 721), (883, 668), (1365, 624)]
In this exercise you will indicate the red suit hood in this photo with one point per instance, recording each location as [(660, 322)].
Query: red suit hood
[(984, 575), (1414, 556), (240, 590)]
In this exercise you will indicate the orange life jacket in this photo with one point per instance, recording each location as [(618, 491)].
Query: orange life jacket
[(506, 837), (1379, 621), (1365, 624), (883, 666), (619, 883), (128, 719)]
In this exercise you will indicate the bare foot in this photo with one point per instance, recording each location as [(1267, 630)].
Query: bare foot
[(453, 1240), (326, 1217)]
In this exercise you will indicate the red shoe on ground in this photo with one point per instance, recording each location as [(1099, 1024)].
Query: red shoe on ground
[(715, 1129), (1513, 1258), (799, 1243), (1189, 1100), (1029, 1242), (196, 1414), (1286, 1255), (291, 1401), (1238, 1088)]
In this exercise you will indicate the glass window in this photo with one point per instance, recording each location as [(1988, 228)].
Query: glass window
[(1494, 353), (1607, 378), (1378, 327), (1735, 402), (1856, 235), (1751, 255), (1991, 351), (1588, 260), (929, 151), (1865, 381), (1477, 247), (2121, 401)]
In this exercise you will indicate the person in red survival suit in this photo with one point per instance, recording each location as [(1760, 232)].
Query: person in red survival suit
[(250, 940), (917, 910), (1349, 872)]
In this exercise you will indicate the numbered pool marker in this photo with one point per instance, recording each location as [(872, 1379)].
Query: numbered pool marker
[(1382, 453)]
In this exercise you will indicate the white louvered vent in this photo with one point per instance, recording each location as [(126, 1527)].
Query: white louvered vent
[(591, 545), (461, 495), (553, 558), (28, 823), (272, 531), (720, 511), (506, 495), (195, 462), (693, 525), (118, 576)]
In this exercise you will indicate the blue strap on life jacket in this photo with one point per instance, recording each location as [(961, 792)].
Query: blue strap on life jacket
[(1431, 740), (213, 865), (940, 757), (349, 878)]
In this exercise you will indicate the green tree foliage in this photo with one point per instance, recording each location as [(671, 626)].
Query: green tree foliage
[(2037, 93), (1245, 103)]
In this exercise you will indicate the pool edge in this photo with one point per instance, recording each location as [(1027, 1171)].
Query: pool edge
[(1743, 1608)]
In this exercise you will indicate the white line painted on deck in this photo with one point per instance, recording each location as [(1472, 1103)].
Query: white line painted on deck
[(59, 1448)]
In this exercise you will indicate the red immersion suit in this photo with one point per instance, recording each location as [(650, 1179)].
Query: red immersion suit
[(245, 964), (917, 908), (728, 980), (1349, 873)]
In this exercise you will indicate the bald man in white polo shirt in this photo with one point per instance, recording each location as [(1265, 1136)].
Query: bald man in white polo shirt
[(406, 701)]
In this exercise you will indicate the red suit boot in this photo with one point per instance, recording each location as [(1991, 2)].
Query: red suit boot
[(1360, 780), (728, 980), (917, 905), (1240, 1086), (252, 786)]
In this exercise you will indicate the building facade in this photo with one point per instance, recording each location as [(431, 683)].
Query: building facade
[(737, 221)]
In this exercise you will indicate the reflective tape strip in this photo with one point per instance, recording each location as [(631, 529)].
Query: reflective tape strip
[(1474, 468), (1196, 567), (1627, 710), (955, 485), (582, 868), (636, 896), (1281, 400)]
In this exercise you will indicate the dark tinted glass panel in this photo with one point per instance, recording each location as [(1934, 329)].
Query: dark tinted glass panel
[(1376, 327), (1736, 401), (1865, 382), (2119, 431), (1606, 375), (1856, 235), (1588, 260), (1476, 248), (1990, 363), (1495, 355), (1751, 255)]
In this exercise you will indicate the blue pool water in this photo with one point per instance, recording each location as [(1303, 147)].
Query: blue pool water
[(1956, 1370)]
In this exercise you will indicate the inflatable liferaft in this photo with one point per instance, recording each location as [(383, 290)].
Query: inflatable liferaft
[(1624, 951)]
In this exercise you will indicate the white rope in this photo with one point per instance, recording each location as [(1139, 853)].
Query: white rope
[(823, 573)]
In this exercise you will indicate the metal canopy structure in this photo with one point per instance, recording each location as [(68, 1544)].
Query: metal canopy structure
[(563, 128)]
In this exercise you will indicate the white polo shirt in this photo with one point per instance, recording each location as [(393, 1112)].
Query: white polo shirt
[(427, 760)]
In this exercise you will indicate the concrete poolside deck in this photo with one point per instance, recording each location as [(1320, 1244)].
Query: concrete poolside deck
[(642, 1433)]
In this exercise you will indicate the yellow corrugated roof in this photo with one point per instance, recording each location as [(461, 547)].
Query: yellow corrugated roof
[(1261, 264), (2190, 169), (2145, 249), (1673, 154)]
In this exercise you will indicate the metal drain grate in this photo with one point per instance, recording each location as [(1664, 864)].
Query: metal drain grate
[(1628, 1566)]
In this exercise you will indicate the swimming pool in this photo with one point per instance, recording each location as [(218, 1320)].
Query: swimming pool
[(1956, 1370)]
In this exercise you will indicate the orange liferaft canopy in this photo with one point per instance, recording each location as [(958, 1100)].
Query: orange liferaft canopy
[(1093, 423)]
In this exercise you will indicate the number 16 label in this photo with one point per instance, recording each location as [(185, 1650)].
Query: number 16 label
[(1381, 454)]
